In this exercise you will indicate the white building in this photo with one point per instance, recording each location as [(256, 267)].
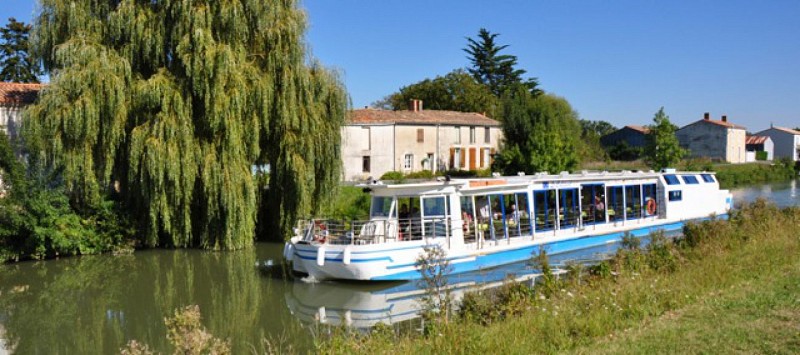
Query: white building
[(718, 140), (14, 97), (377, 141), (786, 142)]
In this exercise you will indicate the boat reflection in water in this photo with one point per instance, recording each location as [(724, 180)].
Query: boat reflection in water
[(361, 306)]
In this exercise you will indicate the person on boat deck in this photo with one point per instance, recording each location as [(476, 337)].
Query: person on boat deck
[(403, 216), (515, 214), (466, 220), (599, 208)]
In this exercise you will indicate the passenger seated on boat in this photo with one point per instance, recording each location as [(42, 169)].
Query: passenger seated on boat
[(599, 209), (466, 220)]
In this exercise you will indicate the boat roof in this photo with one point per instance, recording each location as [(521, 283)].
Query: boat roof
[(441, 184)]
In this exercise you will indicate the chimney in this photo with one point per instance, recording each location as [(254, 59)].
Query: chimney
[(706, 116), (415, 105), (724, 118)]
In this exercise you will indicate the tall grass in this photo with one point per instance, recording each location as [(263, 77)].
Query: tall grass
[(638, 287)]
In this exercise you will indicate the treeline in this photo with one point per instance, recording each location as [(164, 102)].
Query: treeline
[(542, 132)]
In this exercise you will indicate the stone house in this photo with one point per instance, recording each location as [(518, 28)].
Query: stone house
[(634, 136), (377, 141), (786, 141), (719, 140), (13, 98), (755, 144)]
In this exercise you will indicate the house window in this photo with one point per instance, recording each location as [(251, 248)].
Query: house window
[(369, 137), (420, 135), (457, 158), (408, 161), (472, 134), (485, 157), (458, 135), (486, 135), (365, 164)]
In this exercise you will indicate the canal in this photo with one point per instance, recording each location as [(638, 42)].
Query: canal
[(95, 304)]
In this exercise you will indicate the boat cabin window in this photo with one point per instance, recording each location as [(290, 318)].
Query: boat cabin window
[(671, 180), (614, 196), (633, 201), (593, 203), (569, 208), (434, 207), (708, 177), (381, 206), (675, 195), (690, 179), (517, 214), (545, 210)]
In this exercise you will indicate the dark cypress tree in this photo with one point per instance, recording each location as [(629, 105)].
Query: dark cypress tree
[(495, 70)]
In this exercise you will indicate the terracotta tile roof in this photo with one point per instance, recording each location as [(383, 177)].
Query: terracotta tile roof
[(641, 129), (425, 117), (786, 130), (14, 94), (756, 139)]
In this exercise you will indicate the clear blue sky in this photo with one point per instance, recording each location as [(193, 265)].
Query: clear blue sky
[(617, 61)]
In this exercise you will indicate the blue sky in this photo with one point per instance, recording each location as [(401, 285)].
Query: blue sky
[(617, 61)]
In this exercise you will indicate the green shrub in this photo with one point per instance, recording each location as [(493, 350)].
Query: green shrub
[(422, 174), (761, 155), (392, 175)]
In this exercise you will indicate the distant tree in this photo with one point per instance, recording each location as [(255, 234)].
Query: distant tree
[(662, 149), (541, 134), (599, 128), (495, 70), (591, 131), (456, 91), (16, 62), (623, 151)]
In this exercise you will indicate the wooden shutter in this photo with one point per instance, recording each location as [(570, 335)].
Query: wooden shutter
[(452, 158), (420, 135), (463, 159), (483, 163), (471, 158), (491, 156)]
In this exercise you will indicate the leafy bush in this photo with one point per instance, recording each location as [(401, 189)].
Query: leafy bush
[(422, 174), (392, 175), (761, 155)]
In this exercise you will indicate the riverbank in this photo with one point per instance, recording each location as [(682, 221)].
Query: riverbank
[(725, 287)]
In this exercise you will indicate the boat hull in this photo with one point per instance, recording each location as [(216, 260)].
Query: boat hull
[(396, 261)]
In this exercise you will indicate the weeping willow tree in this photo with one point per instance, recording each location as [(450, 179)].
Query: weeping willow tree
[(169, 104)]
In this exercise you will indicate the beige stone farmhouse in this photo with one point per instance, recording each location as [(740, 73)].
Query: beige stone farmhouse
[(377, 141), (719, 140), (14, 97)]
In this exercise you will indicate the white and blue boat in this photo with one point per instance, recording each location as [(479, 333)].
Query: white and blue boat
[(482, 223)]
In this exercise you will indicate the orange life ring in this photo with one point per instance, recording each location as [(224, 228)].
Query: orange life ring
[(651, 207)]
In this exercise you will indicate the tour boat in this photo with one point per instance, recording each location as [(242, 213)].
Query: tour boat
[(482, 223)]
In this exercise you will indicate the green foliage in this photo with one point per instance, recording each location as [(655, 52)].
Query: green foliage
[(392, 175), (762, 155), (351, 203), (630, 241), (624, 152), (591, 131), (174, 109), (434, 267), (422, 174), (541, 134), (662, 149), (456, 91), (188, 335), (16, 62), (496, 71), (730, 175)]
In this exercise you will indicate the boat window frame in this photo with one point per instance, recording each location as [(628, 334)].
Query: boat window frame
[(708, 178), (671, 179), (690, 179), (675, 196), (590, 208)]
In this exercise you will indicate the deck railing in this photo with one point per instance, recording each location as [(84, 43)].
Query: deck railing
[(335, 231)]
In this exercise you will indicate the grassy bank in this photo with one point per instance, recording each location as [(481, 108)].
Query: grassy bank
[(725, 287)]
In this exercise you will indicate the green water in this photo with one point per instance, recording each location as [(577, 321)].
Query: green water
[(96, 304)]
